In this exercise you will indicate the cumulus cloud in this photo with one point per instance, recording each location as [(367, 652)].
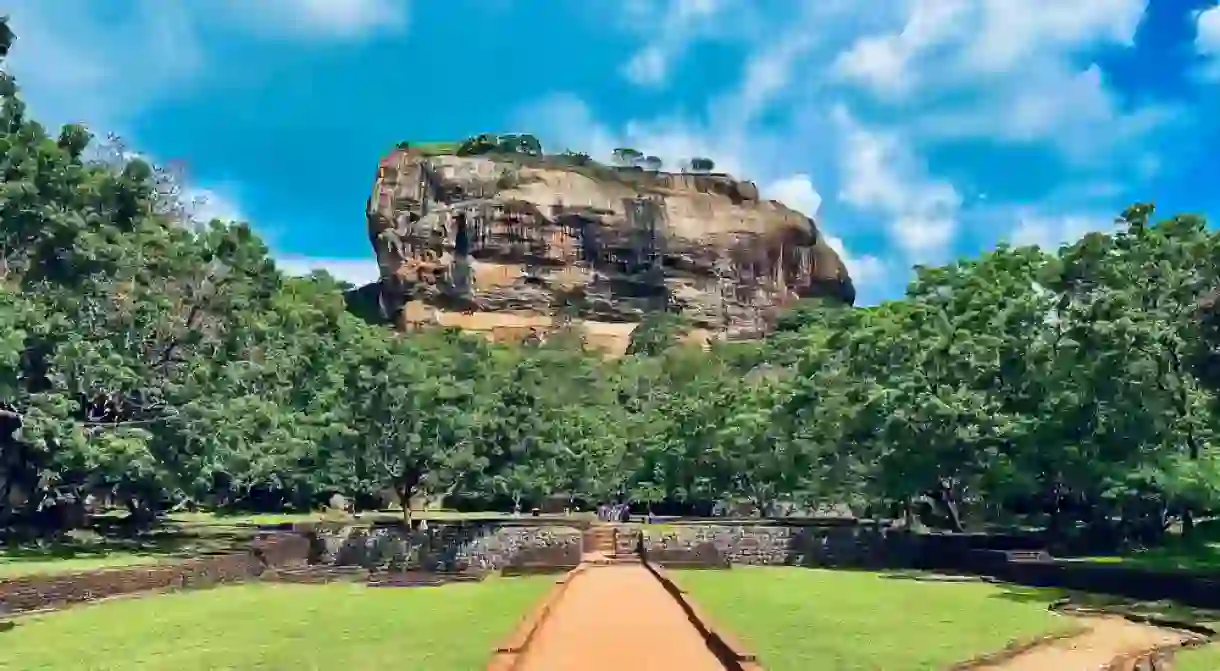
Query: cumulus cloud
[(934, 44), (80, 62), (1015, 72), (736, 149), (676, 25), (1207, 37), (881, 175), (856, 102), (797, 192), (1050, 232), (327, 19), (357, 272), (1207, 40), (214, 203)]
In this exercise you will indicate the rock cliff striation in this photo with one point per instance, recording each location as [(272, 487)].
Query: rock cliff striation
[(516, 244)]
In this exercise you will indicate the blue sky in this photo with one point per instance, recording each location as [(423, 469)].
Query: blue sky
[(914, 131)]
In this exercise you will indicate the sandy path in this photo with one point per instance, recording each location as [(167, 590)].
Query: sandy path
[(1106, 638), (618, 617)]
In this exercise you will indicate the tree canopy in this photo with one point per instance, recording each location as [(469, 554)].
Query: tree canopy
[(160, 361)]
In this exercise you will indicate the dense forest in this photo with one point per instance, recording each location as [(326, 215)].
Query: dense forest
[(165, 363)]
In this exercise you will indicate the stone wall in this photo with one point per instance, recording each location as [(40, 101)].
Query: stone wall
[(756, 544), (996, 557), (451, 547), (37, 592)]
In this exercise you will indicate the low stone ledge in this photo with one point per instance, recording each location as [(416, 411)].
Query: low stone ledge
[(41, 592), (509, 652), (1015, 649), (727, 647)]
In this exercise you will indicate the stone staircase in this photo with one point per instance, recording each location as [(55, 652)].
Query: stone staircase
[(600, 546)]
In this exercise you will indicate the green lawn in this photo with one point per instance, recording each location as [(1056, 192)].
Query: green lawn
[(436, 148), (1206, 658), (1176, 556), (16, 563), (273, 627), (798, 619), (88, 550)]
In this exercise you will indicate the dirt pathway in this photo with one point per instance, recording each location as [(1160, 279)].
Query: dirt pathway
[(618, 617), (1107, 637)]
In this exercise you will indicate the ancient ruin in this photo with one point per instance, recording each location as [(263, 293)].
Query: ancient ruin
[(515, 244)]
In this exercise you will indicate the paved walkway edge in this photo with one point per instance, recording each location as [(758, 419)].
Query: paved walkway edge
[(1017, 648), (1159, 658), (727, 648), (508, 654)]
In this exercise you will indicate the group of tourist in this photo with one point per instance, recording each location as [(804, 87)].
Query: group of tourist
[(619, 512)]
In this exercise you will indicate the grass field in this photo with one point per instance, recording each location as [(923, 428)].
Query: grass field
[(279, 627), (797, 619), (1206, 658), (1198, 556), (436, 148)]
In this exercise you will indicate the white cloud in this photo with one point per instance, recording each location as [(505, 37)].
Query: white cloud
[(1207, 37), (327, 19), (78, 62), (1207, 40), (859, 100), (1004, 71), (83, 61), (75, 65), (214, 203), (797, 192), (354, 271), (734, 147), (945, 43), (675, 27), (879, 174), (1050, 232), (884, 62), (220, 203)]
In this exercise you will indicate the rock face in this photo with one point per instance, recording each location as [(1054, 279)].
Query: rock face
[(515, 245)]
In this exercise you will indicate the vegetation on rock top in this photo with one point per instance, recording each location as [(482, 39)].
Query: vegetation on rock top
[(528, 145)]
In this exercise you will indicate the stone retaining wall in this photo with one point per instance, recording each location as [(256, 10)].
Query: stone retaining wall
[(38, 592), (855, 546), (872, 546), (447, 548)]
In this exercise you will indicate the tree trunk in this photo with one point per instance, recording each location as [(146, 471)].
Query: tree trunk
[(404, 500), (950, 500)]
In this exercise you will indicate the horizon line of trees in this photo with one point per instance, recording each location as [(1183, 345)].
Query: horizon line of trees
[(166, 364)]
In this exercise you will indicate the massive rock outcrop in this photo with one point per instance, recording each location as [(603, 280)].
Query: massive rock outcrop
[(513, 245)]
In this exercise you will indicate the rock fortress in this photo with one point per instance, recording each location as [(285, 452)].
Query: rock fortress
[(493, 236)]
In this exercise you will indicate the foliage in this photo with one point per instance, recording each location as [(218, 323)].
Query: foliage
[(627, 157), (490, 143), (153, 360)]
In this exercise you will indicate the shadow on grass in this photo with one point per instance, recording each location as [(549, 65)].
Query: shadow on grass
[(1200, 554), (104, 543)]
